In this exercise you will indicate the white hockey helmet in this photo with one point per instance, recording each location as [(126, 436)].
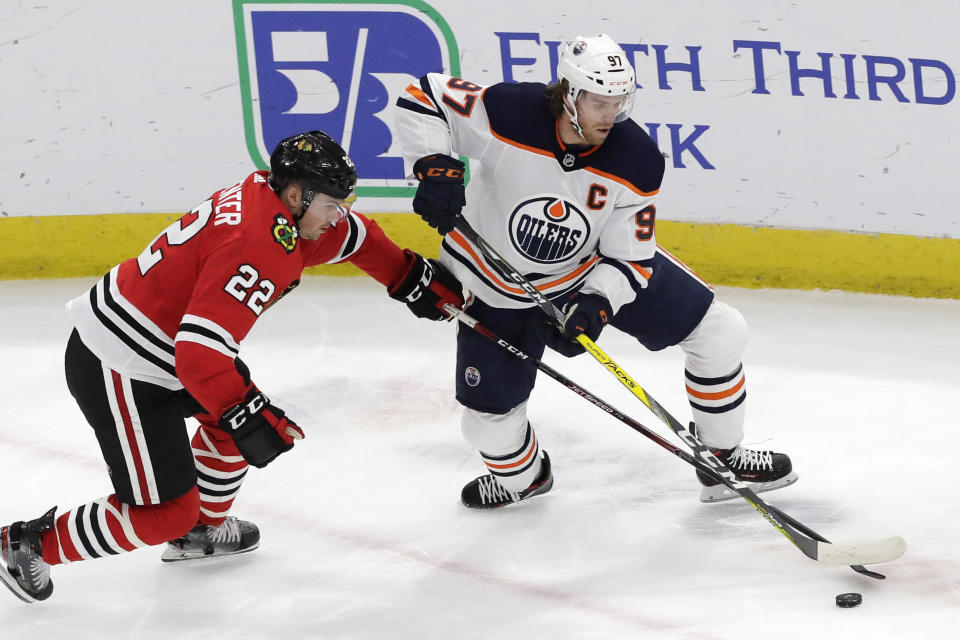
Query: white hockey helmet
[(596, 64)]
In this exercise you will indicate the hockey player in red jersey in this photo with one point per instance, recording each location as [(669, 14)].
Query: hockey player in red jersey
[(564, 190), (158, 338)]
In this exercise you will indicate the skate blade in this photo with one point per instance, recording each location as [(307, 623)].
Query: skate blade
[(10, 581), (722, 493), (171, 554)]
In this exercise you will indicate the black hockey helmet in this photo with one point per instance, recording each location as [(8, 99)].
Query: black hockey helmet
[(317, 162)]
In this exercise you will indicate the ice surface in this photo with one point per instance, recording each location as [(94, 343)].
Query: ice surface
[(363, 535)]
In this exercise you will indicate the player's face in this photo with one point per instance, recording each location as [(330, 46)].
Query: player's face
[(597, 115), (323, 212)]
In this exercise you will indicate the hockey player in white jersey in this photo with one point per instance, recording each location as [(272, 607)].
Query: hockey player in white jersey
[(563, 186)]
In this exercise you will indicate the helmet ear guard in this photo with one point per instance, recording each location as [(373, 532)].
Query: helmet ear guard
[(596, 64), (307, 194)]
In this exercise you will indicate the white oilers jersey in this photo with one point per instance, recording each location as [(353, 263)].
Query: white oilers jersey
[(563, 216)]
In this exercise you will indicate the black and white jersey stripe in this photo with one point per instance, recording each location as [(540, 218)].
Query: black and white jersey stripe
[(356, 234), (207, 333), (130, 325), (113, 327)]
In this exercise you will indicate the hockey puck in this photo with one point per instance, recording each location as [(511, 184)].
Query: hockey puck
[(849, 600)]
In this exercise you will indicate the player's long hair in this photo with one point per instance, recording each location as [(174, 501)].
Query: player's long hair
[(554, 95)]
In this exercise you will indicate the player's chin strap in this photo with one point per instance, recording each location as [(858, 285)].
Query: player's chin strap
[(571, 111), (509, 272)]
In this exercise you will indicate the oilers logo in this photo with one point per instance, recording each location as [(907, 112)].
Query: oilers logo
[(548, 229), (472, 376)]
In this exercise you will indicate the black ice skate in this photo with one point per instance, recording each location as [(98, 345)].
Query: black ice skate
[(759, 470), (206, 541), (24, 571), (486, 493)]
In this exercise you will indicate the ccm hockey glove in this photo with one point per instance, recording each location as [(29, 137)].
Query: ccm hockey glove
[(260, 430), (586, 313), (426, 286), (441, 194)]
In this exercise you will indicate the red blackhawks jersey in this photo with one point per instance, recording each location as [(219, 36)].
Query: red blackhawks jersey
[(176, 314), (563, 216)]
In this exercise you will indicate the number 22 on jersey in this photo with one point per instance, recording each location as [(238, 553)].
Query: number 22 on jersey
[(175, 235), (246, 285)]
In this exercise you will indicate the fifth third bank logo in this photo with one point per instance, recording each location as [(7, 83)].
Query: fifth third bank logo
[(337, 67)]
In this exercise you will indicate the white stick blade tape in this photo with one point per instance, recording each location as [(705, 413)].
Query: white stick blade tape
[(872, 552)]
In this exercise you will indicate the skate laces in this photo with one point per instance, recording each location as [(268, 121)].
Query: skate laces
[(491, 491), (744, 458), (228, 531)]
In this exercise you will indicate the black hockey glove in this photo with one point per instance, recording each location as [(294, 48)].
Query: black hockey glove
[(441, 195), (586, 313), (426, 286), (260, 430)]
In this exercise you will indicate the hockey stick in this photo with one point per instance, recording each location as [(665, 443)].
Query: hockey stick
[(811, 544)]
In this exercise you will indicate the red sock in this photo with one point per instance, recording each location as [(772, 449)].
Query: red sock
[(220, 472), (108, 527)]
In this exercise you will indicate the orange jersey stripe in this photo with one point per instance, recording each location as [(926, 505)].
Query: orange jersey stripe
[(628, 185), (563, 146), (518, 463), (460, 240), (520, 145), (644, 273), (544, 152), (720, 395), (514, 143), (418, 93)]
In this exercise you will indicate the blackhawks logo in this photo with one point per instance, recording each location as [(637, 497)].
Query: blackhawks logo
[(284, 233)]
